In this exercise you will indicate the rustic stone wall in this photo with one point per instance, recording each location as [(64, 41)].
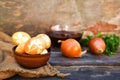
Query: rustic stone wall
[(36, 16)]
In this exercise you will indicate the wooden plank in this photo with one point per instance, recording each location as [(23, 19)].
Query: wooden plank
[(82, 73), (88, 59)]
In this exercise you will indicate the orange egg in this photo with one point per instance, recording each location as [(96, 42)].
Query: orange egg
[(20, 37), (46, 39), (34, 46)]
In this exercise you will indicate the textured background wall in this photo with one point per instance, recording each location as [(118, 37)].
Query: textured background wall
[(36, 16)]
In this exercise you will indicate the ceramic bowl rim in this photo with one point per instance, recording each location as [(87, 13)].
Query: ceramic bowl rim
[(31, 55)]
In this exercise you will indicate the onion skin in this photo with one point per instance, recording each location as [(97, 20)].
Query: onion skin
[(97, 46), (46, 39), (71, 48), (34, 46), (20, 37), (20, 48)]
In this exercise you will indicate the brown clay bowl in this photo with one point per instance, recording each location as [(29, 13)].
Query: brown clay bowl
[(31, 61)]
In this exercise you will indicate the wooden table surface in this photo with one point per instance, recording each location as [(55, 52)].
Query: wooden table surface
[(89, 67)]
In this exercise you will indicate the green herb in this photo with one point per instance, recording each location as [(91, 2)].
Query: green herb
[(85, 41), (112, 42)]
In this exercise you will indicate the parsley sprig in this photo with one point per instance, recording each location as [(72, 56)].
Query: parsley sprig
[(112, 42)]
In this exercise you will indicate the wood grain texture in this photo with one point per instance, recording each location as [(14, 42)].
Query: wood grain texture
[(88, 59)]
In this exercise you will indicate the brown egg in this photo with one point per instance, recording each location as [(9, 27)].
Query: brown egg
[(34, 45)]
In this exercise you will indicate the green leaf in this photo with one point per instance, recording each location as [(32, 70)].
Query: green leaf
[(98, 34), (112, 43)]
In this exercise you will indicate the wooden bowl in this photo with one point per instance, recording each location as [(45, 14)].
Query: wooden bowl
[(31, 61)]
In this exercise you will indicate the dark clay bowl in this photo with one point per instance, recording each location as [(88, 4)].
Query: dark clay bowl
[(31, 61)]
